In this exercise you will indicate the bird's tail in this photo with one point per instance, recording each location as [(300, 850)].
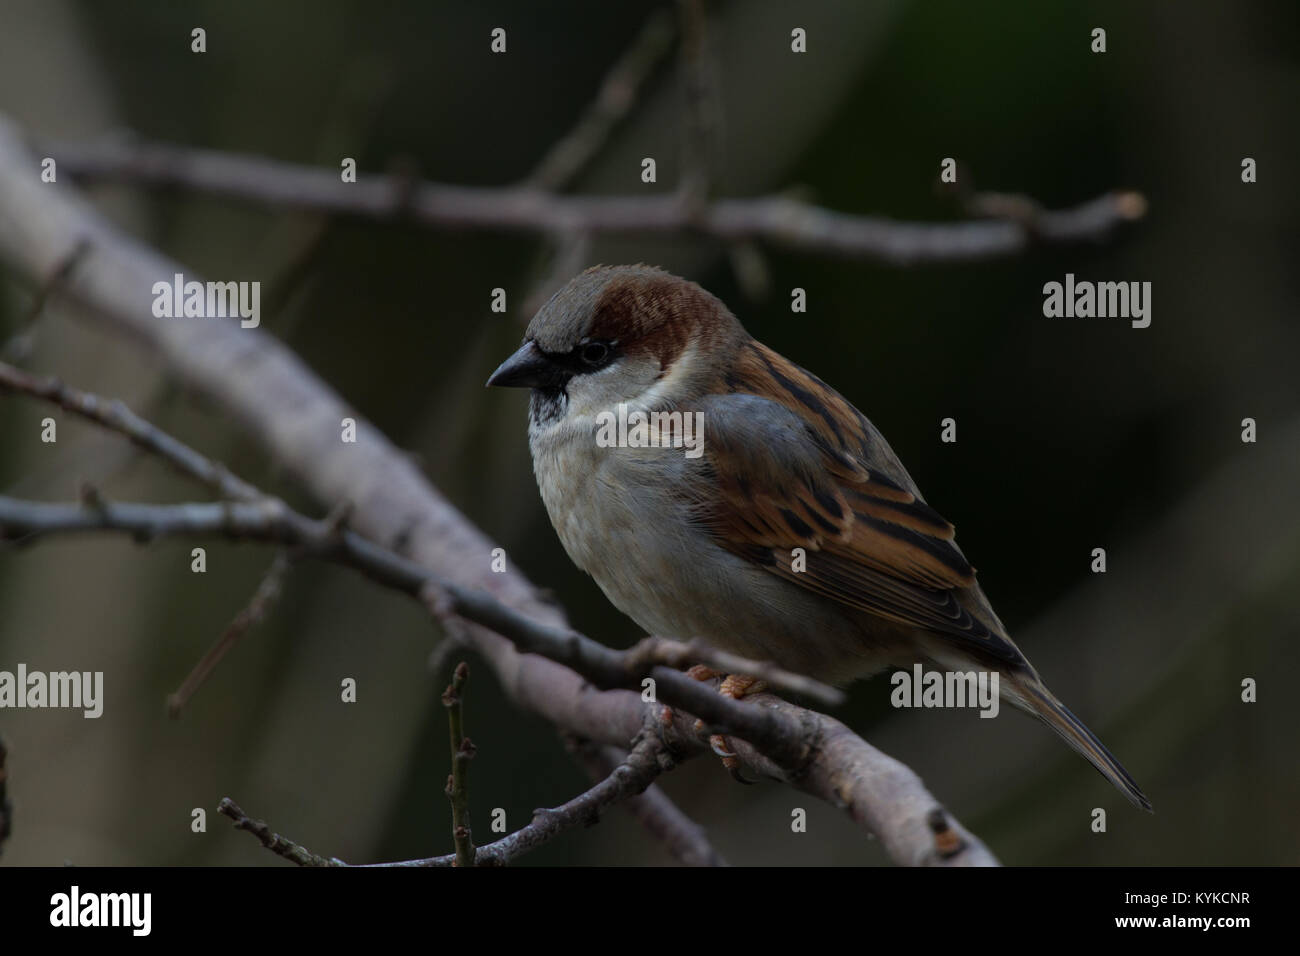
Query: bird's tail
[(1038, 700)]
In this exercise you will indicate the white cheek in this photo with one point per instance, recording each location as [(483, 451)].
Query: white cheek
[(624, 381)]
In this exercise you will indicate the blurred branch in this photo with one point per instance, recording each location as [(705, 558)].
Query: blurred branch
[(778, 219), (700, 134), (462, 752), (19, 345), (263, 599), (617, 95)]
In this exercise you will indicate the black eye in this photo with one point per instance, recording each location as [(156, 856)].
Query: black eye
[(593, 353)]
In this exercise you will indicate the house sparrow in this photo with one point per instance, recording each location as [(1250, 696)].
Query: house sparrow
[(709, 545)]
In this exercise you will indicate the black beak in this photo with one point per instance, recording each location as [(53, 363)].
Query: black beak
[(529, 367)]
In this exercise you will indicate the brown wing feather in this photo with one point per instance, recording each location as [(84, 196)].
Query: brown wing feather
[(871, 542)]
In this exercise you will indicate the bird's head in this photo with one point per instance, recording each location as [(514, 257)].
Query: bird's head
[(632, 334)]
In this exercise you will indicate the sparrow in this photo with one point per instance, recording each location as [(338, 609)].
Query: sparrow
[(791, 533)]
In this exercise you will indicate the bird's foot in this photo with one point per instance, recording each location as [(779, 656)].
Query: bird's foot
[(737, 687)]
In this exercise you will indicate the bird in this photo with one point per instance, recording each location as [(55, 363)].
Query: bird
[(789, 531)]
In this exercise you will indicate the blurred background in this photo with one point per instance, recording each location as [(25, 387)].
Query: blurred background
[(1072, 433)]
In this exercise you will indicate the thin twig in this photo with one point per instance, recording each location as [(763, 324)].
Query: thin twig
[(627, 780), (624, 782), (280, 846), (263, 599), (462, 752), (115, 416), (681, 836)]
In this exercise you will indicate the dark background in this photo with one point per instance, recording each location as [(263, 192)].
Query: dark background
[(1073, 433)]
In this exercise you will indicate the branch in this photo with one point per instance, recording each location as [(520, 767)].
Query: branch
[(618, 93), (280, 846), (681, 836), (624, 782), (115, 416), (263, 599), (527, 209)]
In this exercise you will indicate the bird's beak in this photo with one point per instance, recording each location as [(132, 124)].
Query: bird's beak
[(527, 368)]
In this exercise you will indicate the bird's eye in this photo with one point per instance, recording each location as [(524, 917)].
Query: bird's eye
[(593, 353)]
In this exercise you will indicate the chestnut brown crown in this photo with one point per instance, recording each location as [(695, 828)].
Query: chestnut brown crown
[(612, 313)]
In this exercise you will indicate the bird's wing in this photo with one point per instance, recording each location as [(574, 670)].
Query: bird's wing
[(789, 463)]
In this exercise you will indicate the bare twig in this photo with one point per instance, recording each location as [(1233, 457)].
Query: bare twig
[(117, 417), (462, 752), (627, 780), (681, 836), (624, 782), (280, 846), (778, 219), (618, 93), (264, 598)]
